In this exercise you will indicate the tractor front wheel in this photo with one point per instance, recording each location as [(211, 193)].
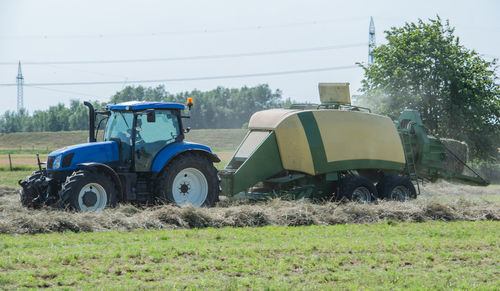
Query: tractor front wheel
[(31, 188), (189, 179), (87, 191)]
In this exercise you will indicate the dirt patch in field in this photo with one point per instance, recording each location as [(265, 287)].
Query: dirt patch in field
[(21, 159), (442, 201)]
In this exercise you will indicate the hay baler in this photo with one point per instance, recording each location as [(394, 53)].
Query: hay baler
[(334, 148)]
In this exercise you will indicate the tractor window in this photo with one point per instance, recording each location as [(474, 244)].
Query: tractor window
[(119, 126), (154, 136), (165, 129)]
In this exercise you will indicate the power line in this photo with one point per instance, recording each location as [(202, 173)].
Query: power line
[(85, 71), (279, 73), (186, 31), (491, 56), (198, 57), (63, 91)]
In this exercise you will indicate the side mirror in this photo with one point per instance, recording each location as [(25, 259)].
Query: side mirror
[(151, 116), (187, 129)]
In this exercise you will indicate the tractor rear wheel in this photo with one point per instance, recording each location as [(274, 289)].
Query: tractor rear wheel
[(87, 191), (396, 188), (189, 179), (358, 189)]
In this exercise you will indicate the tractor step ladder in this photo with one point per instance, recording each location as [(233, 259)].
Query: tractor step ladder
[(411, 166)]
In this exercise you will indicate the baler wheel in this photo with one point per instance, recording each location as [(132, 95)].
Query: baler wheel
[(358, 189), (189, 178), (87, 191), (396, 188)]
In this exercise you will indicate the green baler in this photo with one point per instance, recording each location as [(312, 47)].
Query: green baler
[(335, 148)]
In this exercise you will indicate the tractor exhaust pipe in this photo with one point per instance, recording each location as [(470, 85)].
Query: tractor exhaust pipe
[(91, 121)]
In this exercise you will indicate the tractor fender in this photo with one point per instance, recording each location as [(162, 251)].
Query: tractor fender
[(172, 151), (106, 169)]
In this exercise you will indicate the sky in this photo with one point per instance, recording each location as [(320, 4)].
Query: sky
[(198, 44)]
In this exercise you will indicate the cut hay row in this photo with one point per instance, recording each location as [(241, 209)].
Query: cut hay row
[(443, 201)]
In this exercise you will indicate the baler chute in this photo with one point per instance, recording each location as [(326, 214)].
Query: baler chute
[(433, 157)]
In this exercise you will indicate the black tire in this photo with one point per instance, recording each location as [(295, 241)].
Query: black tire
[(95, 182), (29, 195), (358, 189), (194, 167), (396, 188)]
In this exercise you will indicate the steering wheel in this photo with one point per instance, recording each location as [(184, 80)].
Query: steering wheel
[(124, 136), (138, 138)]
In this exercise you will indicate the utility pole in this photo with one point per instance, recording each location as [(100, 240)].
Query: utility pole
[(20, 82), (371, 41)]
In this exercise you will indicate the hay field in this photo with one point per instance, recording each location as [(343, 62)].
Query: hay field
[(442, 201)]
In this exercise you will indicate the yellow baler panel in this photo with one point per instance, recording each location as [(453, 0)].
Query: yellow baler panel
[(349, 135), (293, 145), (269, 119)]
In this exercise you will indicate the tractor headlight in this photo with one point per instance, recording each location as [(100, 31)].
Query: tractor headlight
[(57, 162)]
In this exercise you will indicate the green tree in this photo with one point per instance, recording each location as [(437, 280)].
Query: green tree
[(79, 116), (218, 108), (12, 121), (423, 66)]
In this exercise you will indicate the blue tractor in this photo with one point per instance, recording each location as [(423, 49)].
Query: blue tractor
[(143, 158)]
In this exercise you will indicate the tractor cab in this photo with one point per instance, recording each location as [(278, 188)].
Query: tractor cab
[(141, 130)]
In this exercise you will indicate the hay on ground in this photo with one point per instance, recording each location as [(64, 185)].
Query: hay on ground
[(441, 201)]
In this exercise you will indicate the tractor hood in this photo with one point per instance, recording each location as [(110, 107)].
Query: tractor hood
[(69, 157)]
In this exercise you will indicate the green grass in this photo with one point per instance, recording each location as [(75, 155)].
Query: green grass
[(432, 255), (217, 139), (47, 141), (44, 142), (18, 168), (8, 178)]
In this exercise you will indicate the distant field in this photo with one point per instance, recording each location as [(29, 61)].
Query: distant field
[(23, 142), (29, 160), (383, 256), (23, 146)]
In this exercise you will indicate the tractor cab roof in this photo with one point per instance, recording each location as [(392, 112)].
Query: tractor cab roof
[(142, 105)]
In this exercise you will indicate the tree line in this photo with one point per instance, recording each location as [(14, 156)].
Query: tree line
[(218, 108), (424, 67)]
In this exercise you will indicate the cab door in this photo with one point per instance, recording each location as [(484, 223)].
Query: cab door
[(151, 137)]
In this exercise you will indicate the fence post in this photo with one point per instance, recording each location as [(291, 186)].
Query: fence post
[(10, 163)]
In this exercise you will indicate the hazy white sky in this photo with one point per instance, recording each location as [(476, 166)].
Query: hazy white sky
[(54, 31)]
